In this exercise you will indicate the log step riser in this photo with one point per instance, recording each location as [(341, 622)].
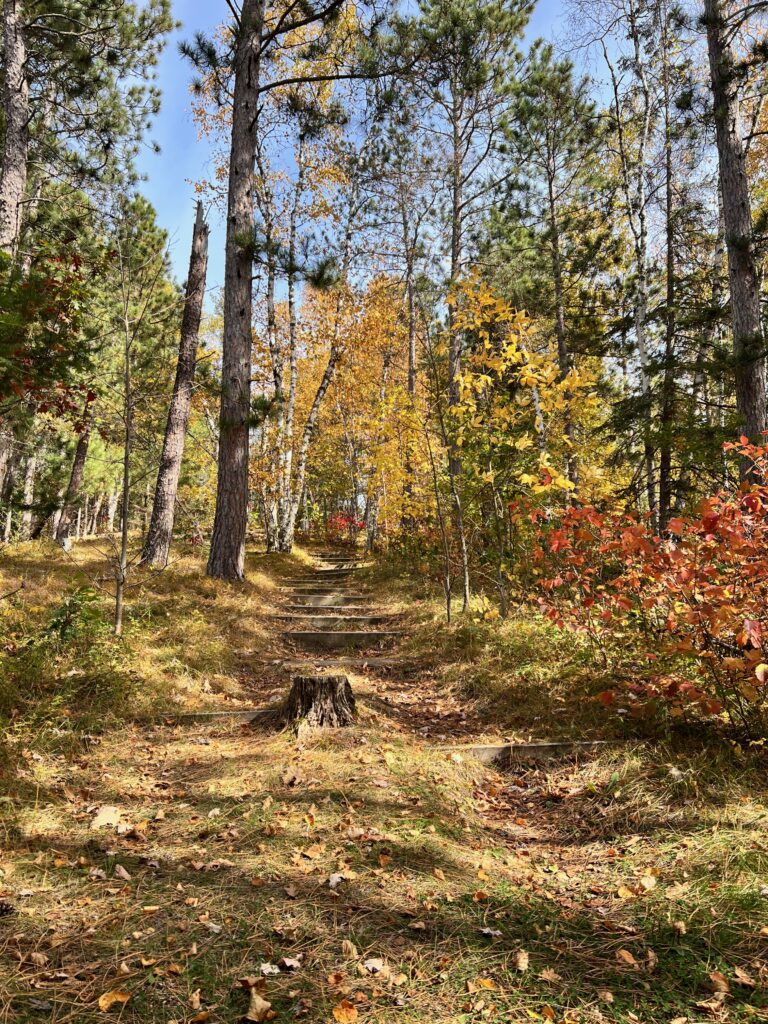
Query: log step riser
[(312, 640)]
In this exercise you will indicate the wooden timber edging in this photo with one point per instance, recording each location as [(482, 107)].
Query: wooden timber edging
[(504, 753), (190, 717)]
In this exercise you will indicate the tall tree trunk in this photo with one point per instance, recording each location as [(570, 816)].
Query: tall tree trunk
[(633, 177), (286, 448), (374, 502), (7, 496), (93, 526), (667, 412), (748, 348), (72, 493), (114, 497), (227, 554), (563, 354), (454, 336), (457, 231), (270, 458), (160, 533), (121, 569), (13, 169), (30, 471), (6, 455), (410, 299)]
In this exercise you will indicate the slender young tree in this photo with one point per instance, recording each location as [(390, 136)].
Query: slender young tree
[(160, 532)]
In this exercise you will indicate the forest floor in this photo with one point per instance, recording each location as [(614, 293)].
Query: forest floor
[(162, 871)]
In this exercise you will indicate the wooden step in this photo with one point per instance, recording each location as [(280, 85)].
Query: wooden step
[(322, 620), (361, 664), (329, 600), (322, 574), (310, 591), (339, 640)]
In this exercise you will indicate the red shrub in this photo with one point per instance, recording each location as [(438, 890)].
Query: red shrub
[(698, 593)]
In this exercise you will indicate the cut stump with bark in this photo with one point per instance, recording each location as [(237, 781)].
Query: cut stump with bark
[(320, 701)]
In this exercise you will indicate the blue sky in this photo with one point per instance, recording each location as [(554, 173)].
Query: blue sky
[(183, 159)]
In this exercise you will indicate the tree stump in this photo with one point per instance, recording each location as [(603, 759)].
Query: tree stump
[(320, 701)]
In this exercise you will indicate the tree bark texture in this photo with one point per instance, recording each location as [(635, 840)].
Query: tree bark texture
[(320, 701), (748, 347), (160, 532), (227, 555), (15, 97)]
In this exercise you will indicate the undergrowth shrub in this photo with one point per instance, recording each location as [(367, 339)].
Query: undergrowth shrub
[(693, 602), (64, 678)]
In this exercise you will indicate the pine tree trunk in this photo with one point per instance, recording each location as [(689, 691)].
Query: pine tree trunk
[(93, 526), (64, 523), (227, 554), (667, 416), (285, 476), (114, 497), (563, 353), (748, 346), (7, 496), (13, 169), (160, 533), (320, 701)]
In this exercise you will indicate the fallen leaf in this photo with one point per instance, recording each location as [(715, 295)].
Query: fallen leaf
[(345, 1012), (743, 978), (487, 983), (349, 949), (120, 872), (626, 957), (549, 975), (439, 873), (374, 965), (719, 982), (290, 963), (713, 1005), (258, 1007), (107, 815), (522, 960), (109, 999)]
